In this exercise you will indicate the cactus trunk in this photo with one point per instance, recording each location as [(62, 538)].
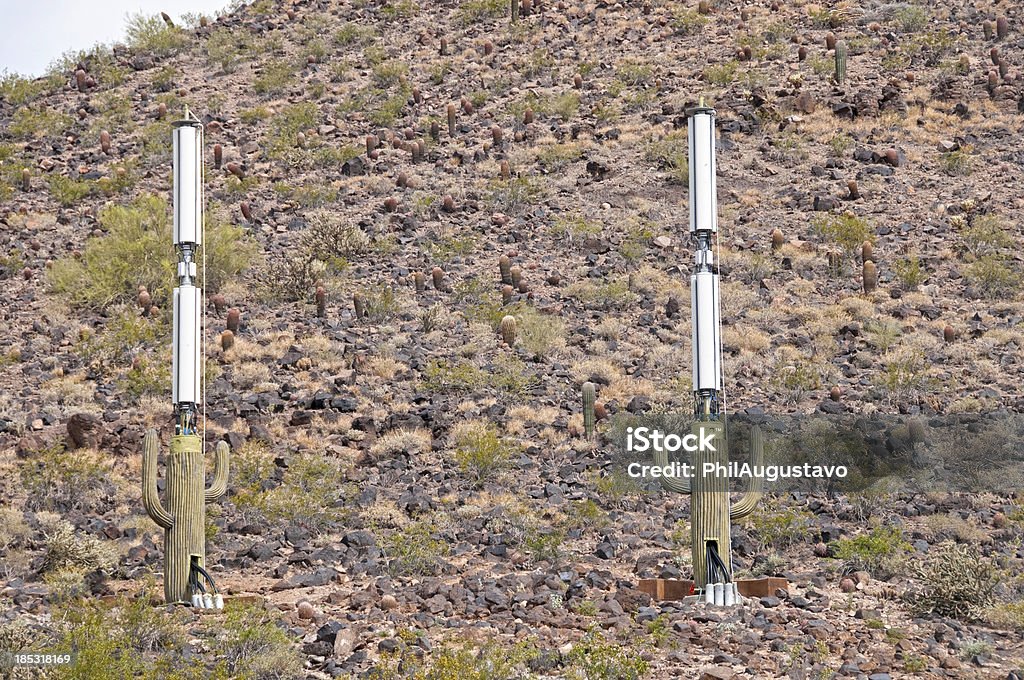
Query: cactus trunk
[(841, 62), (709, 504), (185, 541), (589, 398)]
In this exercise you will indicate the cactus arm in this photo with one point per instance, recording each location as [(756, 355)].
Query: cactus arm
[(755, 486), (676, 485), (222, 464), (150, 497)]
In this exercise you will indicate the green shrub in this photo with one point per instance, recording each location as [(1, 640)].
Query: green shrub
[(775, 527), (37, 123), (882, 552), (721, 74), (226, 48), (285, 126), (475, 11), (310, 493), (136, 251), (151, 34), (255, 647), (20, 91), (994, 277), (846, 230), (688, 21), (957, 163), (671, 155), (491, 661), (910, 273), (415, 550), (544, 543), (124, 334), (955, 581), (275, 76), (63, 482), (68, 191), (596, 658), (507, 374), (480, 450), (909, 18)]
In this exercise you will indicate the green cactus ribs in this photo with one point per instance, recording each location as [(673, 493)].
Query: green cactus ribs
[(183, 519)]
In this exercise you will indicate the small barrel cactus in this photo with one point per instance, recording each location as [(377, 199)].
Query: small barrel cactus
[(359, 304), (437, 277), (218, 156), (234, 319), (321, 302), (777, 239), (508, 330), (227, 340), (589, 399), (506, 294), (870, 275), (1002, 28), (515, 10), (26, 179), (505, 268), (451, 120), (420, 281)]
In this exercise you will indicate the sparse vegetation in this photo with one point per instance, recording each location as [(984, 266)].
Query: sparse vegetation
[(881, 552), (480, 451), (135, 252)]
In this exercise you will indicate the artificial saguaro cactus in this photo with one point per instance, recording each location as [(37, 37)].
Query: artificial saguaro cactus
[(183, 519), (711, 511), (589, 398), (841, 52), (711, 515)]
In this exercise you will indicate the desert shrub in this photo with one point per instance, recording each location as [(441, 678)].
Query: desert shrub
[(882, 552), (285, 126), (538, 333), (955, 581), (475, 11), (37, 123), (63, 482), (255, 647), (491, 661), (506, 373), (721, 74), (226, 48), (19, 91), (135, 252), (614, 294), (993, 276), (910, 273), (846, 230), (1005, 615), (773, 526), (909, 18), (310, 493), (415, 550), (544, 544), (670, 153), (513, 196), (480, 451), (958, 162), (151, 34), (68, 550), (329, 236), (595, 657), (124, 334), (275, 76)]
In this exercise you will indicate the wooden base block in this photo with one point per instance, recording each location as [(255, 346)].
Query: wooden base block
[(761, 587), (665, 588)]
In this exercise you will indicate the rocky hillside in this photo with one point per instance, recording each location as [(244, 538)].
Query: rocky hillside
[(412, 494)]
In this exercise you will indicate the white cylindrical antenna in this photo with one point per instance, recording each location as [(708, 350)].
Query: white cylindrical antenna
[(703, 188), (187, 137), (707, 333), (188, 177), (186, 374)]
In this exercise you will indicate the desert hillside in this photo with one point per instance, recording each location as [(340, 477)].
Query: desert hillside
[(412, 491)]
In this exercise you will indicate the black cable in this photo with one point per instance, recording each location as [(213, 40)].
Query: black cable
[(213, 586)]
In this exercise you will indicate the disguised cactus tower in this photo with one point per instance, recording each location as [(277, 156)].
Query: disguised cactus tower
[(841, 62), (589, 398), (183, 519), (711, 514)]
